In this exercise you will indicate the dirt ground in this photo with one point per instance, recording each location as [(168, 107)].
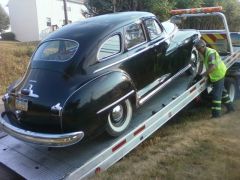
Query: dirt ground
[(191, 146)]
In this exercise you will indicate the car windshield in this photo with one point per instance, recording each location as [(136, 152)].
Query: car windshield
[(56, 50)]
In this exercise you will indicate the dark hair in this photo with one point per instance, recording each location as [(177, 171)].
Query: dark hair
[(199, 43)]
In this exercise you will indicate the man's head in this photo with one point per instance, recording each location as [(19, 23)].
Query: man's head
[(200, 45)]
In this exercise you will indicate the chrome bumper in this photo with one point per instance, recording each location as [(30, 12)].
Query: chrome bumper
[(49, 140)]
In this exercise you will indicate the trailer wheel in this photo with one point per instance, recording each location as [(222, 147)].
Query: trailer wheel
[(231, 87), (119, 118), (194, 62)]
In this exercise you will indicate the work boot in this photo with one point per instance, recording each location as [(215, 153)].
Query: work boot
[(230, 108), (216, 114)]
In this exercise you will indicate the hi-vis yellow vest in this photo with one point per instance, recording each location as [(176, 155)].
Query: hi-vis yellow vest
[(220, 70)]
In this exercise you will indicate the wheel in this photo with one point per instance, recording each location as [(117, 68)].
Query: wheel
[(194, 62), (231, 87), (119, 118)]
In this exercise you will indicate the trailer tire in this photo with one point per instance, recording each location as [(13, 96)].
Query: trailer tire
[(119, 118), (231, 87)]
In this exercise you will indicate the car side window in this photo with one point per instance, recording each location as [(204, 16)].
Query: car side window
[(153, 28), (110, 47), (134, 35)]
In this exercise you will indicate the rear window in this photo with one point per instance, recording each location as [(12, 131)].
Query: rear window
[(57, 50)]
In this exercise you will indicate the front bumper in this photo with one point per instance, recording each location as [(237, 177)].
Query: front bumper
[(44, 139)]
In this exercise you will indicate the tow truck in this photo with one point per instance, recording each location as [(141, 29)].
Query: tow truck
[(88, 158)]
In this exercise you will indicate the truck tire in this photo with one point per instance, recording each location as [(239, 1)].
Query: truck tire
[(119, 118), (231, 87)]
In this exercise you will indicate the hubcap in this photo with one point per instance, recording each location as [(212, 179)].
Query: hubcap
[(117, 113), (193, 61)]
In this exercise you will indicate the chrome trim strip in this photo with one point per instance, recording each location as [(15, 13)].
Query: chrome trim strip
[(144, 99), (49, 140), (124, 59), (116, 102)]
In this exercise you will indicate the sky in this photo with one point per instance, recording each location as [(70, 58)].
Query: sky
[(4, 4)]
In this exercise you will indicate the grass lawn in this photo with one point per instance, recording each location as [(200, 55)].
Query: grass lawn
[(14, 58), (191, 146)]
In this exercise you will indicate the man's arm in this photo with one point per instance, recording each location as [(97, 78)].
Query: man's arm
[(211, 65)]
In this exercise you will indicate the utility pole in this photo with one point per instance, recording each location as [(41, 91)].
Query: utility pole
[(65, 12)]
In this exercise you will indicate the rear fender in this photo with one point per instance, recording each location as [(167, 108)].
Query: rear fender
[(84, 107)]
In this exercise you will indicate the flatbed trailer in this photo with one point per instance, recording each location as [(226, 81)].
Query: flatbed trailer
[(87, 158)]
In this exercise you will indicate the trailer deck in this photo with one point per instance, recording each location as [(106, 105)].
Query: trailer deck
[(35, 162)]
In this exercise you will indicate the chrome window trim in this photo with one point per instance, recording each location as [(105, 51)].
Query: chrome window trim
[(106, 58), (139, 22), (162, 31), (124, 59), (137, 45), (145, 49), (57, 39)]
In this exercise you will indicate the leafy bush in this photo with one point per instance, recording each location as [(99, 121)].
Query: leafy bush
[(9, 36)]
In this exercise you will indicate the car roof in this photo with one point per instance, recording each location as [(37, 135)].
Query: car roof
[(97, 27)]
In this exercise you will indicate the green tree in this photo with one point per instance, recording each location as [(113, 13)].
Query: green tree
[(210, 3), (161, 8), (133, 5), (231, 9), (4, 19), (98, 7), (183, 4)]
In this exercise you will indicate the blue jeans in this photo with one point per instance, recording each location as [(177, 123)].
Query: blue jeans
[(219, 96)]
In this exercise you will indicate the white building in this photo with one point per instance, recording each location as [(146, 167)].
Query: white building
[(32, 20)]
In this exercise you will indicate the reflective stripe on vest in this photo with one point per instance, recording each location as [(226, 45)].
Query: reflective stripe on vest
[(220, 70)]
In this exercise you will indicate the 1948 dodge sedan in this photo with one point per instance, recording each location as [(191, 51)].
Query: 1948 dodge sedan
[(87, 77)]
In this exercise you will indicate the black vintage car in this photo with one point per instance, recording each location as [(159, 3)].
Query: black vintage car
[(88, 76)]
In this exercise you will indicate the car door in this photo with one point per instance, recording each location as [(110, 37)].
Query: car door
[(159, 44), (140, 63)]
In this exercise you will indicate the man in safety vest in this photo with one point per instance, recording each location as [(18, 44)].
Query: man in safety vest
[(215, 70)]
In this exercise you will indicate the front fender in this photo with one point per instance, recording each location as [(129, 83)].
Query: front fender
[(83, 107)]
